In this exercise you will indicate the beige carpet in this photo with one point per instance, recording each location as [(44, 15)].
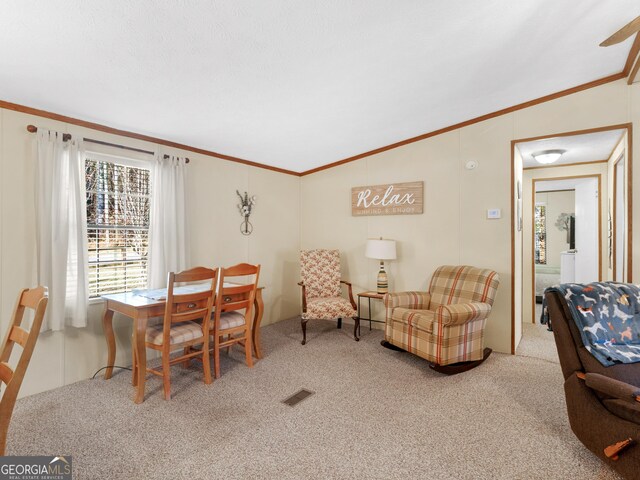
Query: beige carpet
[(376, 414), (538, 342)]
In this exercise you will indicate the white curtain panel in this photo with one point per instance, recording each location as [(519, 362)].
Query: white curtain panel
[(61, 229), (168, 240)]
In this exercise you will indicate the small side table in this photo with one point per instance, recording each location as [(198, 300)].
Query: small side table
[(369, 296)]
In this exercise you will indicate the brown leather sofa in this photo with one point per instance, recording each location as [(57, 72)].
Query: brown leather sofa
[(603, 403)]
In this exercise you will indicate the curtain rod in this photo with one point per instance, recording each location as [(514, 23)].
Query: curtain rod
[(67, 136)]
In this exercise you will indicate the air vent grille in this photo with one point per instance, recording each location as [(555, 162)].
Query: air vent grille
[(297, 397)]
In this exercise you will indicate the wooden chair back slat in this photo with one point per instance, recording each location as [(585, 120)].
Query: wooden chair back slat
[(190, 315), (241, 270), (19, 335), (236, 289), (227, 307), (34, 299), (16, 320), (196, 274), (31, 297), (6, 373)]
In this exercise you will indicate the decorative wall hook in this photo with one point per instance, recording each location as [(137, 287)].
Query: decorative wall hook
[(246, 206)]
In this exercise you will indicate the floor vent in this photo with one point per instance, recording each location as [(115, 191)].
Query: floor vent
[(297, 397)]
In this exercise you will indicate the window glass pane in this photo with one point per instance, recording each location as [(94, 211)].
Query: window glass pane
[(118, 202)]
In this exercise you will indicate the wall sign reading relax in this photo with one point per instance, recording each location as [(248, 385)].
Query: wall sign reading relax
[(389, 199)]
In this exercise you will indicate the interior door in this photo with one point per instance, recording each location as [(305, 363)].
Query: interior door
[(587, 244)]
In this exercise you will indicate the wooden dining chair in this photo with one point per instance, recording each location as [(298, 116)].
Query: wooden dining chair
[(228, 319), (185, 324), (34, 299)]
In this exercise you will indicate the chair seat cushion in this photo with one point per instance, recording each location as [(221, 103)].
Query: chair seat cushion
[(179, 333), (230, 319), (328, 307), (420, 319)]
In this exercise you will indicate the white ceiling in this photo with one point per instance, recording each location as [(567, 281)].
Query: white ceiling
[(590, 147), (299, 84)]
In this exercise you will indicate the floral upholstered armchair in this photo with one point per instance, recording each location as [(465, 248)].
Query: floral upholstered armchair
[(446, 324), (321, 290)]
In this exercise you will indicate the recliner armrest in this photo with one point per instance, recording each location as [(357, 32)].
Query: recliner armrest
[(461, 313), (416, 300), (613, 388)]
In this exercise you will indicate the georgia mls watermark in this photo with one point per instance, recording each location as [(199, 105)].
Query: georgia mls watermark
[(35, 468)]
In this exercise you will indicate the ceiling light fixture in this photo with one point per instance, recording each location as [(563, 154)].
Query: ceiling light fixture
[(547, 156)]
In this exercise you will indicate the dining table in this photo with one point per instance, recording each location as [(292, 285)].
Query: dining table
[(141, 305)]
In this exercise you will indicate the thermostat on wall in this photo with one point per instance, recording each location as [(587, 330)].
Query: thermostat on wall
[(494, 213)]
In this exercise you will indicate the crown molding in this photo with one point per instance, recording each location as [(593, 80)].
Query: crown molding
[(482, 118), (125, 133)]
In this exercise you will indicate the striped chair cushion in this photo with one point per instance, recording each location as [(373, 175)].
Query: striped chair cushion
[(444, 346), (179, 333), (328, 307), (462, 284), (408, 300), (230, 319), (420, 319)]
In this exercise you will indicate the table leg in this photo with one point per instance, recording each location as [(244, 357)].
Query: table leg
[(258, 305), (140, 329), (134, 365), (359, 310), (107, 325), (369, 313)]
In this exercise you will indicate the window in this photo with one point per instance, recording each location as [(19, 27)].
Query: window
[(540, 233), (118, 201)]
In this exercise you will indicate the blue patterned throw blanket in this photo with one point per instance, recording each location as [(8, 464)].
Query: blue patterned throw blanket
[(608, 317)]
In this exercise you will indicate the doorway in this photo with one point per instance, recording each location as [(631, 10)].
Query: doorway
[(566, 234), (589, 171)]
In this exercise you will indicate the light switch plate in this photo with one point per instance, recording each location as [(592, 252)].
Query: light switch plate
[(494, 213)]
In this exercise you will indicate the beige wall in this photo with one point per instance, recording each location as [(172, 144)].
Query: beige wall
[(61, 358), (454, 227)]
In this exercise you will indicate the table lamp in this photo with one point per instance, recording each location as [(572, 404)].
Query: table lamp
[(382, 250)]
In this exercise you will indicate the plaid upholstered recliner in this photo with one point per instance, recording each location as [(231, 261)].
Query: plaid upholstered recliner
[(321, 290), (446, 324)]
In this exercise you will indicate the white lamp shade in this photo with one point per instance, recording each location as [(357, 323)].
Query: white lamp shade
[(380, 249)]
